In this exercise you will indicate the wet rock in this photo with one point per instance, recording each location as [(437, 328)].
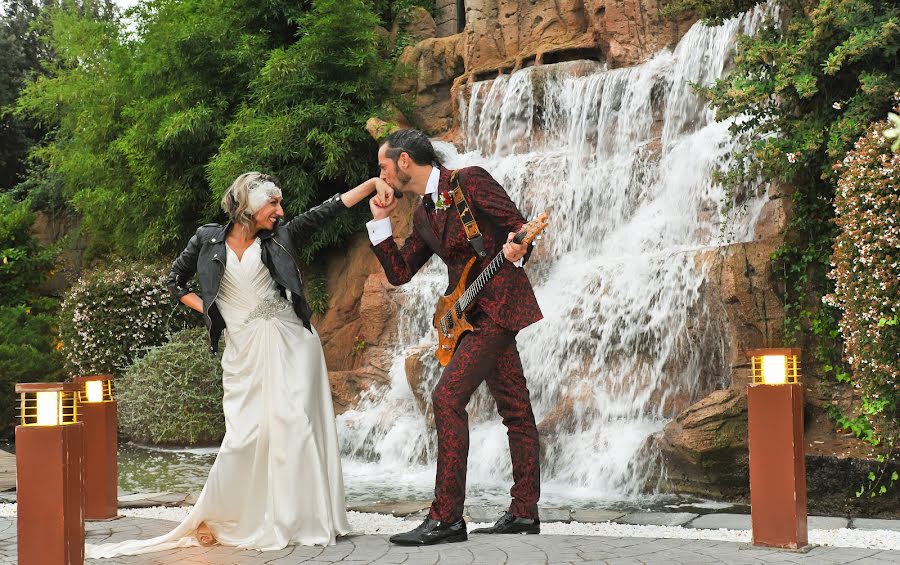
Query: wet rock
[(705, 448)]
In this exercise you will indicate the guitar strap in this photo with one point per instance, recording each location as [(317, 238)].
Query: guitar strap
[(473, 234)]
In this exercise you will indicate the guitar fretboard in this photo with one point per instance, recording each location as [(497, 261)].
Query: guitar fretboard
[(473, 289)]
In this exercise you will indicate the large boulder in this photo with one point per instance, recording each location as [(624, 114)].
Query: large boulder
[(705, 447)]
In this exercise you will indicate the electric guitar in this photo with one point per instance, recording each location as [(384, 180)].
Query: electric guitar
[(450, 314)]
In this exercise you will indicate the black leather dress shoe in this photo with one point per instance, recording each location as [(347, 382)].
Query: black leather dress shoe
[(431, 532), (509, 523)]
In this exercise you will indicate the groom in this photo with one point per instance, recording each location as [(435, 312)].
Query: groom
[(507, 304)]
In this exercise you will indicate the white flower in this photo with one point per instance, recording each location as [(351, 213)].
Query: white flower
[(836, 105), (791, 157)]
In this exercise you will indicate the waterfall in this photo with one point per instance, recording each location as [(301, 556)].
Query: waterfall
[(624, 162)]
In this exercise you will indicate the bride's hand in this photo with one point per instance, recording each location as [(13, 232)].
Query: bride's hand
[(385, 193)]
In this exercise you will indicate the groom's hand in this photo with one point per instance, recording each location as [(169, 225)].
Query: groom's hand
[(380, 212)]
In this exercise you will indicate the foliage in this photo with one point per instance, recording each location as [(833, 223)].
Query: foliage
[(23, 262), (138, 114), (316, 291), (112, 315), (26, 50), (29, 351), (28, 344), (805, 88), (151, 123), (173, 395), (867, 278), (389, 11), (305, 116)]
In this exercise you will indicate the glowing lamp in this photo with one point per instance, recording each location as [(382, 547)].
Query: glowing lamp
[(49, 466), (47, 404), (775, 366), (96, 388), (99, 413), (776, 445)]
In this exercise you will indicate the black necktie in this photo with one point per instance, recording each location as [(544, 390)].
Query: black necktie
[(428, 202)]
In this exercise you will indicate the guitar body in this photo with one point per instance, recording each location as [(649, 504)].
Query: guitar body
[(449, 322), (450, 315)]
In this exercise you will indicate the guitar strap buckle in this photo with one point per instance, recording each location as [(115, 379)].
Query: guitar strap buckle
[(473, 234)]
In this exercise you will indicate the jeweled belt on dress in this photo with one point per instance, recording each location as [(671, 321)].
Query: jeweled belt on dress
[(267, 309)]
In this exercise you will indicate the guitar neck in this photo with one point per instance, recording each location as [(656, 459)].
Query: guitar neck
[(473, 289)]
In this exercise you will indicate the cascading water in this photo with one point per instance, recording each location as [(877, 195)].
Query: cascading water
[(624, 162)]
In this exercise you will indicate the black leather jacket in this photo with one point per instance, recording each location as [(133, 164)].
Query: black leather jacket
[(205, 255)]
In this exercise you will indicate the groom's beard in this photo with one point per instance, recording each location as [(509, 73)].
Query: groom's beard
[(402, 183)]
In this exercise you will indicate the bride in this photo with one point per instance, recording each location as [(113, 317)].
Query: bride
[(277, 478)]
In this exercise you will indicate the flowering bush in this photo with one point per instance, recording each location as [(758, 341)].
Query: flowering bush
[(111, 316), (173, 395), (866, 272)]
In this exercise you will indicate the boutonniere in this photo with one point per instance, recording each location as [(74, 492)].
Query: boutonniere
[(444, 200)]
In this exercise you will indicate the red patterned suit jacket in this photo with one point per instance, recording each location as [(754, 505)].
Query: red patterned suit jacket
[(508, 297)]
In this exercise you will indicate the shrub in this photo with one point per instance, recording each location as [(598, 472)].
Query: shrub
[(28, 342), (173, 395), (110, 316), (24, 264), (28, 352), (866, 271)]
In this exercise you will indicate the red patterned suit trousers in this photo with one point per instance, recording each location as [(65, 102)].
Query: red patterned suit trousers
[(488, 354)]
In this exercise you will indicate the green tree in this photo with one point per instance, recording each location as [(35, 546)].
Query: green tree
[(305, 117), (139, 112)]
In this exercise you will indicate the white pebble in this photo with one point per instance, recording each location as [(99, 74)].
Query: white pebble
[(385, 524)]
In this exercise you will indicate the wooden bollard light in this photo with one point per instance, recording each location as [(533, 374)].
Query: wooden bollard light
[(49, 462), (777, 454), (99, 414)]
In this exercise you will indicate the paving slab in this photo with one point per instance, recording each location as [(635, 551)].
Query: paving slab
[(138, 503), (595, 516), (721, 520), (875, 524), (657, 518), (397, 509), (483, 514), (827, 523), (554, 515), (141, 496), (168, 499)]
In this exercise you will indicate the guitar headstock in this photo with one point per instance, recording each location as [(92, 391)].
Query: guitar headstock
[(531, 230)]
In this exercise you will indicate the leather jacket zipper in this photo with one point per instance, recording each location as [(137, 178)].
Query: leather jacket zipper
[(296, 266)]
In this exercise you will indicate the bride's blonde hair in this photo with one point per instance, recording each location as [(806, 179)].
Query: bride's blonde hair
[(236, 201)]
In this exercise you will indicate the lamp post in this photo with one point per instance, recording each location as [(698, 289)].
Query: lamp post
[(101, 459), (777, 455), (49, 457)]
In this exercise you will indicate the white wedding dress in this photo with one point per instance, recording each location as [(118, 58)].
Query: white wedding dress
[(277, 478)]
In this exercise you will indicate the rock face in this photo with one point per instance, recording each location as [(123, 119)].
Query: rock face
[(501, 36), (447, 17), (360, 327), (429, 69), (355, 332)]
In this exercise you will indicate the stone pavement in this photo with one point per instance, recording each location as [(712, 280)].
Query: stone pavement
[(479, 550)]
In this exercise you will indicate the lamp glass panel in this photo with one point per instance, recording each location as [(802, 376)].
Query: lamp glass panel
[(94, 391), (774, 369), (48, 408)]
